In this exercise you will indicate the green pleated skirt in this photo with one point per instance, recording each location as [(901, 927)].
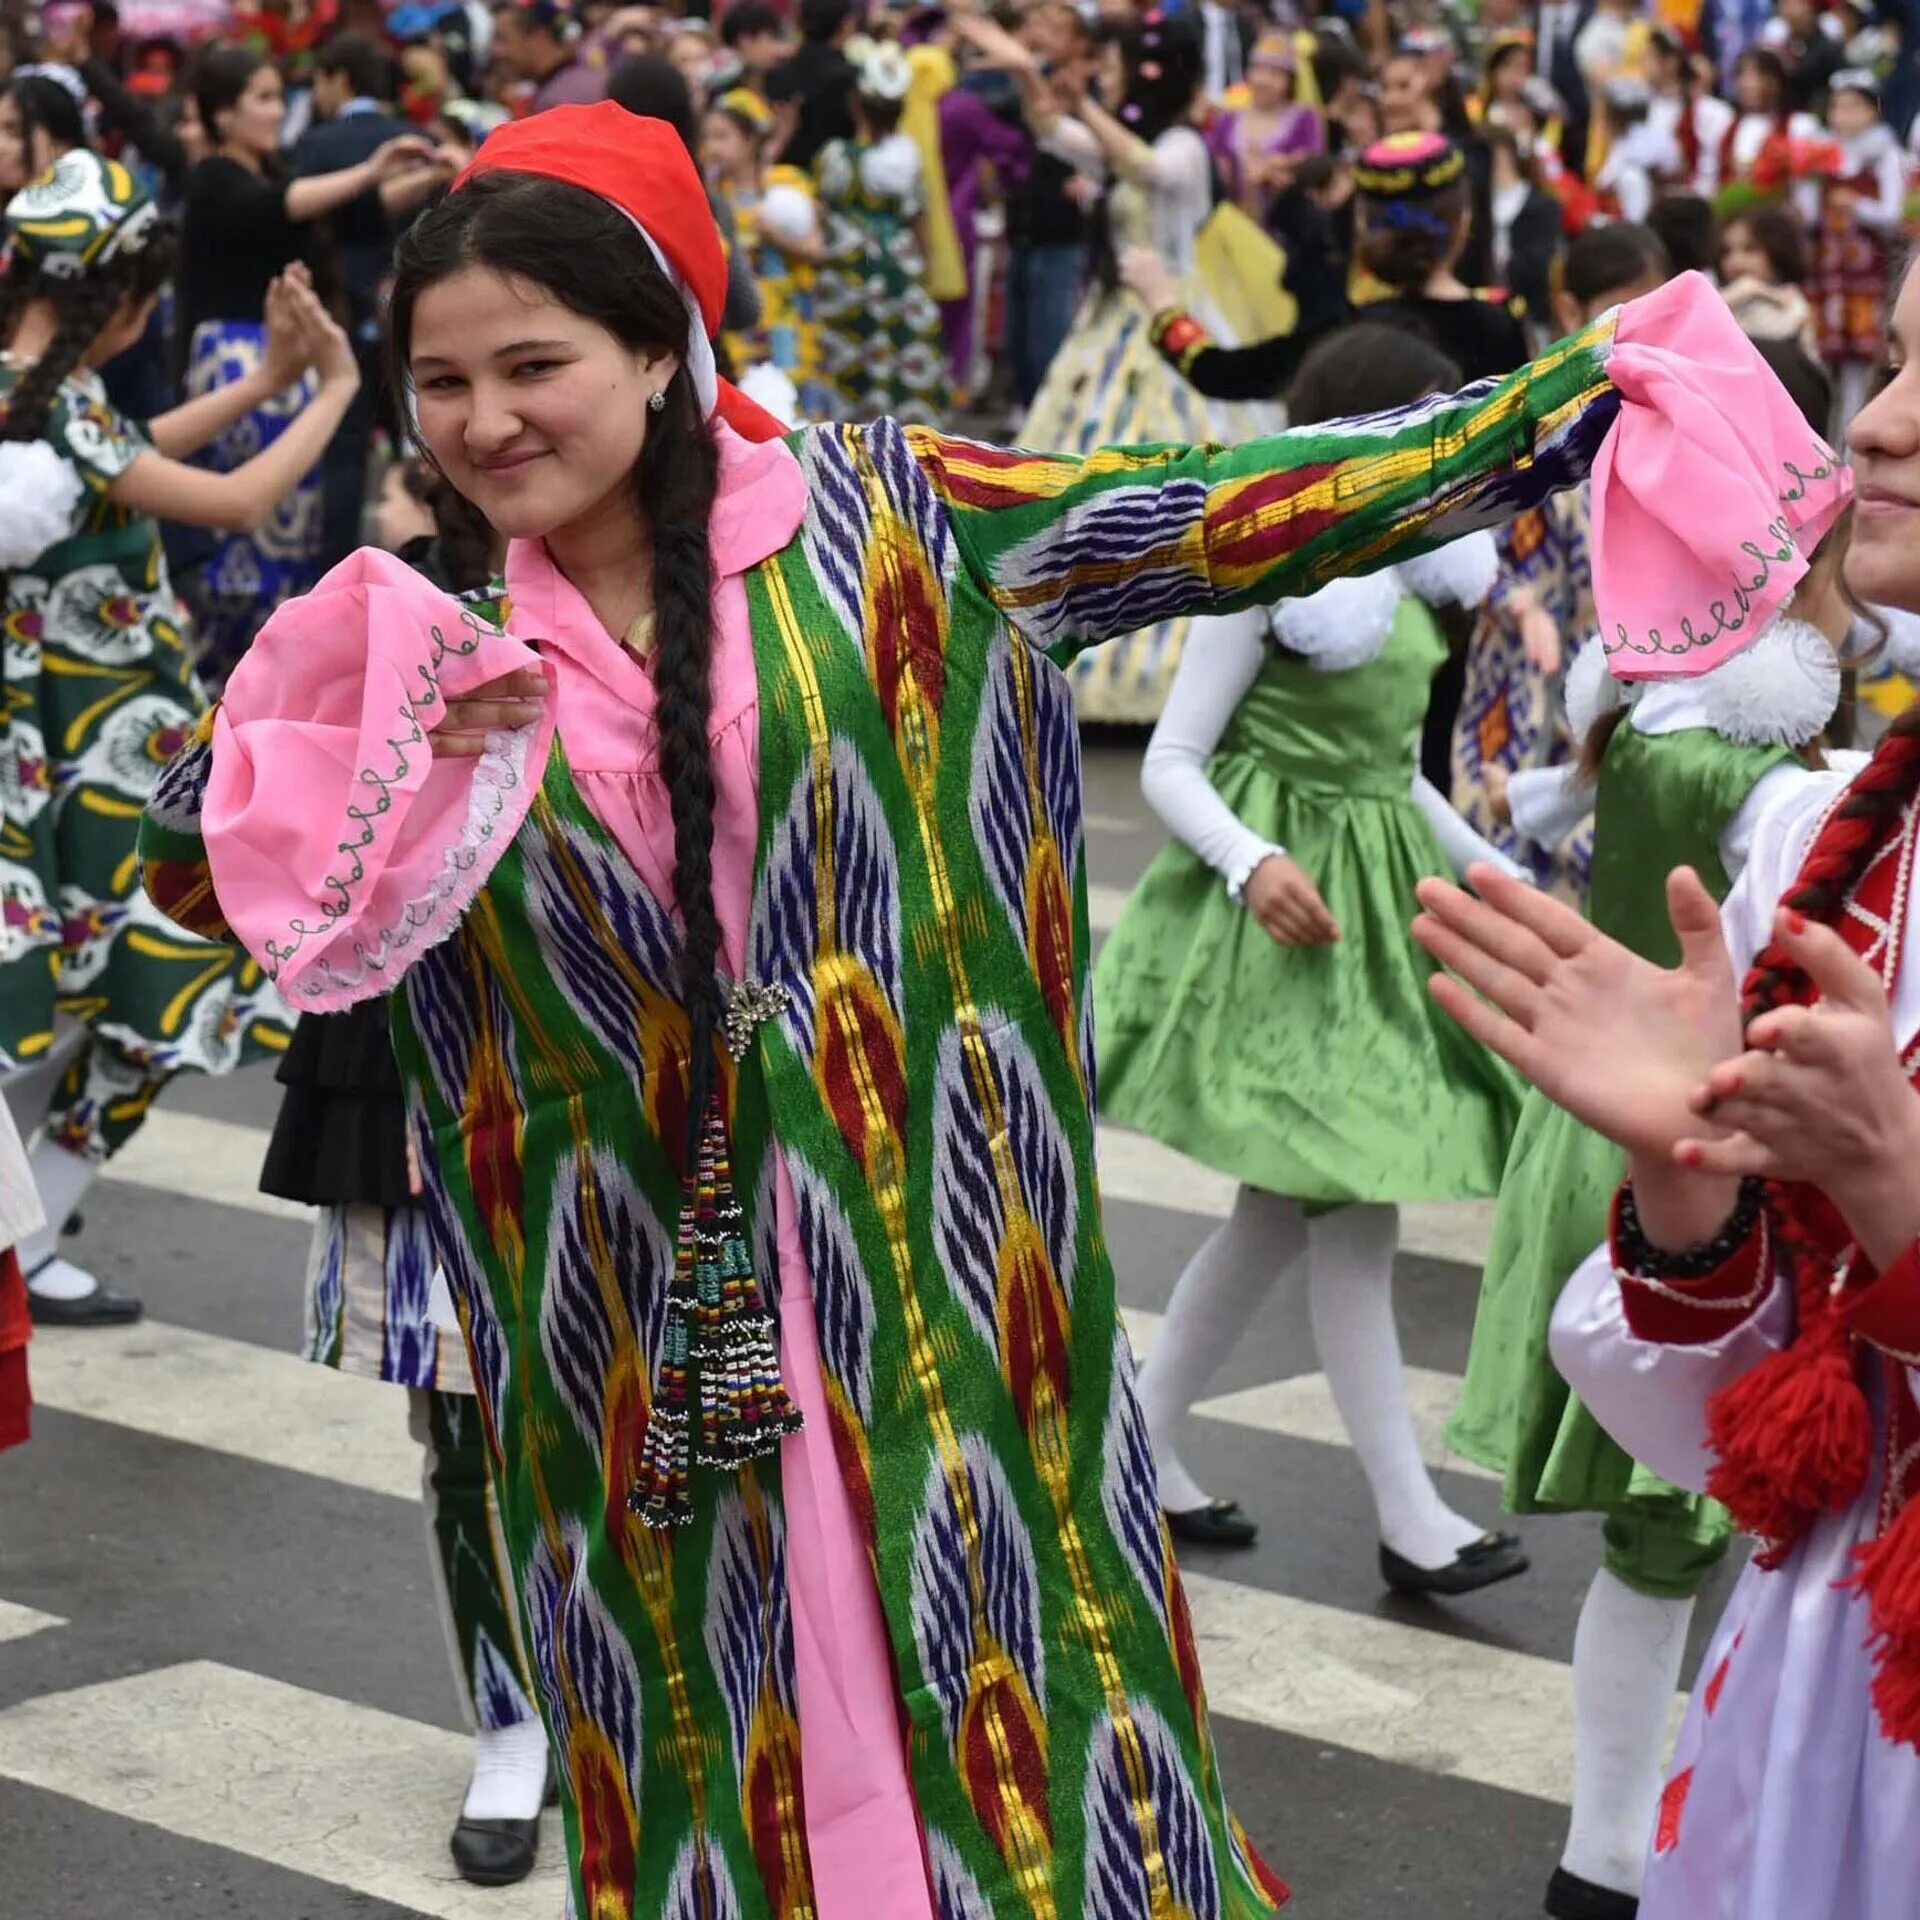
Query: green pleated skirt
[(1517, 1416), (1323, 1073)]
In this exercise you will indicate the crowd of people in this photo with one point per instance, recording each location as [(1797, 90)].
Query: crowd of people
[(514, 610)]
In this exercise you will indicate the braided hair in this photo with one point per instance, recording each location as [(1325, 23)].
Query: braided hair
[(588, 256), (84, 306)]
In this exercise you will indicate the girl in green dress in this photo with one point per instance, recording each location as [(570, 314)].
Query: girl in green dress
[(1678, 773), (1277, 1027), (101, 999)]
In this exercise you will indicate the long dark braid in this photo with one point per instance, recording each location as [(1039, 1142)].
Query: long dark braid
[(677, 478), (83, 306)]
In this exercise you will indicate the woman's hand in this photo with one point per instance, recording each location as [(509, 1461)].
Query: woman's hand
[(1148, 275), (1287, 904), (401, 154), (323, 342), (1820, 1095), (1619, 1043), (1497, 784), (515, 699), (1540, 639), (289, 349)]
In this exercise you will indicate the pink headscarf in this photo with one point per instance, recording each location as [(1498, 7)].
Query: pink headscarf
[(1709, 492)]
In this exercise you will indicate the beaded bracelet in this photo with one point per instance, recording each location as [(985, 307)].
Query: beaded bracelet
[(1639, 1256)]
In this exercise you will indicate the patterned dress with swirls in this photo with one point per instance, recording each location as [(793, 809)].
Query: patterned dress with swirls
[(99, 695)]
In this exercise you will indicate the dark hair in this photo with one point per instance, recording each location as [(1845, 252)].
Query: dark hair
[(588, 256), (1367, 368), (462, 547), (820, 20), (360, 62), (748, 19), (1805, 379), (1334, 63), (1602, 260), (875, 117), (83, 304), (45, 106), (1777, 234), (1765, 60), (1158, 99), (1405, 242), (1501, 139), (1685, 224), (221, 74), (650, 85)]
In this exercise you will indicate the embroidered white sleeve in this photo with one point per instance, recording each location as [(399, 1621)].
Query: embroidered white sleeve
[(1547, 803), (1458, 841)]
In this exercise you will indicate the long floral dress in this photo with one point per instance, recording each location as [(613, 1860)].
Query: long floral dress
[(881, 351), (99, 695)]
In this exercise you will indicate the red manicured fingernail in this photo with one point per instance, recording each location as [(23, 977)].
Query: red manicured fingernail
[(1796, 922), (1733, 1086), (1690, 1155)]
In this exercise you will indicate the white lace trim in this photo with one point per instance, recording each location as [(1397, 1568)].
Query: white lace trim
[(1344, 625), (499, 777)]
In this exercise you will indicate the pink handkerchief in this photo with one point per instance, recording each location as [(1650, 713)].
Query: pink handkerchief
[(1709, 491)]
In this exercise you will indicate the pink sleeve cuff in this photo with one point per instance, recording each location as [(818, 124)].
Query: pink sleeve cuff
[(340, 849), (1709, 491), (1699, 1311)]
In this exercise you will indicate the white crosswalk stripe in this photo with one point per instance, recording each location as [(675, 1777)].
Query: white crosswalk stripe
[(353, 1796)]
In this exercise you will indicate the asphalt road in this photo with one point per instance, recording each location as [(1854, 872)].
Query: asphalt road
[(222, 1685)]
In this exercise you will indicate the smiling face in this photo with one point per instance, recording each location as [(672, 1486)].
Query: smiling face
[(253, 122), (1883, 564), (535, 414)]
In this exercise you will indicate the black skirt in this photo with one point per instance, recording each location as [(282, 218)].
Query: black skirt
[(341, 1136)]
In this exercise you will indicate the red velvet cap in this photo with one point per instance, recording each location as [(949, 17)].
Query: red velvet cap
[(641, 167)]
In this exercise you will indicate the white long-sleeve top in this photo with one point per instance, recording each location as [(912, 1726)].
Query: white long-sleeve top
[(1211, 681), (1877, 154)]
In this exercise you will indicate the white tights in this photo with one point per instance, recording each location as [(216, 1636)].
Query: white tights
[(1349, 1259)]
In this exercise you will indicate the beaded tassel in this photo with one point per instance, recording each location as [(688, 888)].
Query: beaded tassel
[(719, 1346)]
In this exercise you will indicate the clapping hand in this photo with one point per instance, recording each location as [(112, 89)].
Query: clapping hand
[(402, 154), (289, 348), (1621, 1044), (1819, 1095)]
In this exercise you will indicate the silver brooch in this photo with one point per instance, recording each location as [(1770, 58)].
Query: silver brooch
[(750, 1004)]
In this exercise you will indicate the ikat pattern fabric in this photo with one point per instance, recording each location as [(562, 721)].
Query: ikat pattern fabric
[(920, 893)]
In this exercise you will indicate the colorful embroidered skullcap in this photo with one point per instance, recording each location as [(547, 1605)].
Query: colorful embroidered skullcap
[(742, 104), (1275, 48), (81, 213), (1409, 166)]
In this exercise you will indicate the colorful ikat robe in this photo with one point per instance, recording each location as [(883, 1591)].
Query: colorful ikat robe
[(920, 894)]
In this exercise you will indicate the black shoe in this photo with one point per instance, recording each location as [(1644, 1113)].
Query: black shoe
[(1220, 1524), (1481, 1563), (1571, 1898), (495, 1853), (103, 1307)]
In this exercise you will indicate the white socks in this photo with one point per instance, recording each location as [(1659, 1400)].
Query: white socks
[(1213, 1303), (1349, 1255), (509, 1773), (1626, 1663), (1350, 1299)]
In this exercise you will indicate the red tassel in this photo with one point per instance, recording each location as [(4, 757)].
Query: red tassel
[(1794, 1436), (1887, 1575)]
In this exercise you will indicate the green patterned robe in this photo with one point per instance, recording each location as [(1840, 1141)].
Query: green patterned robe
[(920, 891)]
